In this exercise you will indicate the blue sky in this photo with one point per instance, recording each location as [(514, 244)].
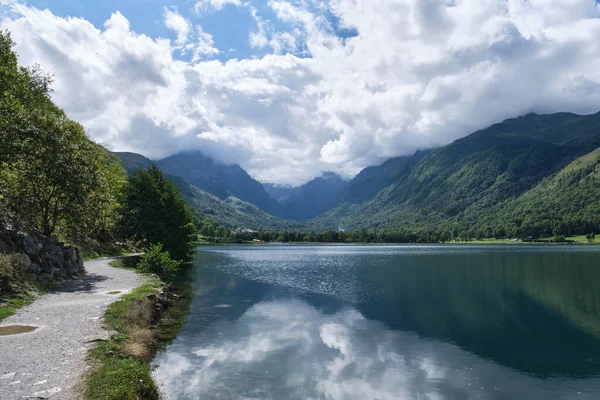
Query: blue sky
[(229, 26), (311, 85)]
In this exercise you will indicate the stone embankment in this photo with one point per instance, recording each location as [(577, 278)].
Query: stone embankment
[(40, 257)]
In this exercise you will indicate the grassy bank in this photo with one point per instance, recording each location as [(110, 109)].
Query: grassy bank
[(121, 365)]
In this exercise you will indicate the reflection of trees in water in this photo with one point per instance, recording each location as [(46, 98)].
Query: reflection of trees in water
[(569, 289), (534, 311)]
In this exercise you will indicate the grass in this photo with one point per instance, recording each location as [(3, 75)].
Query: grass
[(583, 240), (122, 364), (11, 306), (16, 289), (126, 263), (92, 249)]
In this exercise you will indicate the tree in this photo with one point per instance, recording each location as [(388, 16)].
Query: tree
[(50, 180), (159, 262), (52, 176), (152, 210)]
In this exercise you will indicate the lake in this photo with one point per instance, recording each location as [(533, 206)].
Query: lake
[(389, 322)]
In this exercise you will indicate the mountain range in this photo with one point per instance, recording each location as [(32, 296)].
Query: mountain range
[(491, 180)]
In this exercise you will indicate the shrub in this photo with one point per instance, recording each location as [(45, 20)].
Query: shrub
[(7, 274), (160, 263)]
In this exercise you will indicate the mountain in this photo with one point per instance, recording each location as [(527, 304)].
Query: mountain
[(279, 192), (133, 161), (221, 180), (462, 181), (315, 197), (230, 212), (372, 180), (567, 202)]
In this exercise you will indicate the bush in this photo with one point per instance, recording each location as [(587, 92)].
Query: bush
[(160, 263), (7, 274)]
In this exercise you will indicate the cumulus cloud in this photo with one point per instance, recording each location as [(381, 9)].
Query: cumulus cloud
[(198, 43), (416, 74), (174, 21), (204, 6), (290, 349)]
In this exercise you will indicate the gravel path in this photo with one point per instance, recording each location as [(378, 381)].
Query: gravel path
[(50, 362)]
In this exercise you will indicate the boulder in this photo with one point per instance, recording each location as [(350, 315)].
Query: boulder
[(32, 247), (35, 269), (24, 262)]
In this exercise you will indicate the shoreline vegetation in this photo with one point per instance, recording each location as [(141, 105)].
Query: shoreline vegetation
[(571, 240), (143, 322)]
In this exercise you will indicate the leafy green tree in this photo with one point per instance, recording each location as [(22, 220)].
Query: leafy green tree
[(24, 101), (152, 210), (97, 216), (52, 176), (50, 181), (159, 262)]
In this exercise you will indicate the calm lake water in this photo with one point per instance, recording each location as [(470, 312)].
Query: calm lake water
[(389, 322)]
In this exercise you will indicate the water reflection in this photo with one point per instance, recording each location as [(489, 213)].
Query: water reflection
[(356, 323)]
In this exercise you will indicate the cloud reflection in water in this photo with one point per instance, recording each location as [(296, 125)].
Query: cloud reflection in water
[(291, 350)]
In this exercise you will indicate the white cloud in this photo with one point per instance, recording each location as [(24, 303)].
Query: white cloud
[(299, 351), (204, 6), (198, 43), (418, 74), (181, 26)]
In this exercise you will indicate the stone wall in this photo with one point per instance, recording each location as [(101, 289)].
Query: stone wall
[(41, 257)]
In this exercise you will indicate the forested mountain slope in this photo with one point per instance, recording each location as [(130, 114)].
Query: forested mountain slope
[(567, 203), (221, 180), (314, 197), (471, 176), (131, 161), (229, 212)]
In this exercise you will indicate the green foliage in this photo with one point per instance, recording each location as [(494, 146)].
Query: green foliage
[(53, 177), (153, 211), (160, 263), (512, 180), (116, 374), (16, 291), (121, 379)]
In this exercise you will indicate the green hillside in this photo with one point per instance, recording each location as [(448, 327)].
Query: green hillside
[(231, 212), (132, 161), (567, 203), (461, 186)]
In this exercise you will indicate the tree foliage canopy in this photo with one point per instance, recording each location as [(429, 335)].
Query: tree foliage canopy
[(153, 211), (52, 176)]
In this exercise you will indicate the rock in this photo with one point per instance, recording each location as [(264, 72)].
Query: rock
[(24, 262), (44, 258), (46, 268), (72, 261), (31, 247), (54, 255), (35, 269), (47, 277)]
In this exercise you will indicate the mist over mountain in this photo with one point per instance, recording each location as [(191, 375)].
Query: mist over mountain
[(488, 181), (219, 179), (280, 192), (466, 181), (314, 197)]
